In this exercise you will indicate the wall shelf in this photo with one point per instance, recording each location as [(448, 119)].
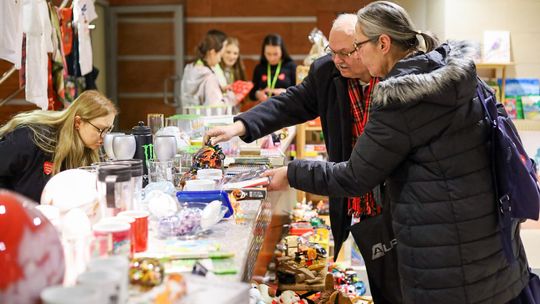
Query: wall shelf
[(495, 67), (527, 124)]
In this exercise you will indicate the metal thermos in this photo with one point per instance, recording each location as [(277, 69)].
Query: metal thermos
[(145, 147)]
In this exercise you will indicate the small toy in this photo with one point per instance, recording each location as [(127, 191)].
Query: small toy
[(209, 156), (289, 297), (260, 294), (146, 272)]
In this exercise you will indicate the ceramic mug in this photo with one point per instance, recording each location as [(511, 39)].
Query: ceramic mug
[(111, 239), (120, 265), (71, 295), (140, 233), (107, 281)]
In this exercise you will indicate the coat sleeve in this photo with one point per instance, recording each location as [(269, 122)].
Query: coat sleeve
[(379, 150), (14, 149), (299, 104)]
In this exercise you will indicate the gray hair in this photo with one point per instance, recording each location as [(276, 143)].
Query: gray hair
[(345, 23), (385, 17)]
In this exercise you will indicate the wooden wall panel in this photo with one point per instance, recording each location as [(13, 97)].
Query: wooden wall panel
[(148, 15), (12, 83), (9, 110), (133, 110), (144, 2), (145, 38), (251, 35), (143, 76), (197, 8)]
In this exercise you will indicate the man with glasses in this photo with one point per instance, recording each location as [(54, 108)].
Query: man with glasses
[(337, 90)]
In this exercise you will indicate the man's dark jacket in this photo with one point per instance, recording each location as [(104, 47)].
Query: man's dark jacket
[(322, 93)]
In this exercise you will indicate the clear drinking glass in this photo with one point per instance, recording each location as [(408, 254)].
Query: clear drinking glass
[(156, 121), (159, 171)]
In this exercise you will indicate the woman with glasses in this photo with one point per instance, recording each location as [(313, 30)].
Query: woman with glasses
[(36, 145), (275, 72), (427, 139)]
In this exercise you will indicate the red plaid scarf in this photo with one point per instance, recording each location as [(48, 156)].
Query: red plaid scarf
[(364, 205)]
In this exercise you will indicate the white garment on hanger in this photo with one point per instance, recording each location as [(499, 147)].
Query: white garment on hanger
[(84, 12), (37, 26), (11, 33)]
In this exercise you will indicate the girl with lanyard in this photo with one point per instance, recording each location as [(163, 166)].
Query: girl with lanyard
[(276, 70)]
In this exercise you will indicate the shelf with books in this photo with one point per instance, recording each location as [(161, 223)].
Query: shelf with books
[(495, 67)]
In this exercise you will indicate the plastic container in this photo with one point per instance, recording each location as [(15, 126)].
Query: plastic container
[(192, 220), (206, 197), (188, 123)]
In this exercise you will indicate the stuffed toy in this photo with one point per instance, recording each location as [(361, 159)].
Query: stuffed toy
[(289, 297)]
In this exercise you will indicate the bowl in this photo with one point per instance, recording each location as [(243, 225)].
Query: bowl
[(192, 220)]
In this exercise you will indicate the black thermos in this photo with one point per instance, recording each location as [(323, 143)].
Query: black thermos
[(145, 147)]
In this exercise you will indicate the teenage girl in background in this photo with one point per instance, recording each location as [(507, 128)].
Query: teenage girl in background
[(276, 70), (200, 84)]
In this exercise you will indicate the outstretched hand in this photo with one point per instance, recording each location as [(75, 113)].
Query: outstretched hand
[(278, 179), (225, 133)]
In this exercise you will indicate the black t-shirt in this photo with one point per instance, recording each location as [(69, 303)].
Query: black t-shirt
[(24, 167), (286, 77)]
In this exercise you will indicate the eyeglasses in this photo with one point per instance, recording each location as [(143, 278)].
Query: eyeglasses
[(358, 45), (341, 54), (102, 132)]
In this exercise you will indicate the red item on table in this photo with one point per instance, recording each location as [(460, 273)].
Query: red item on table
[(241, 88)]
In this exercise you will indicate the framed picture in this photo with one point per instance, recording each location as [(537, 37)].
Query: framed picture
[(496, 46)]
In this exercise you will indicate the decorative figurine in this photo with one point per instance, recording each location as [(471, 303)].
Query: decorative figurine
[(146, 272)]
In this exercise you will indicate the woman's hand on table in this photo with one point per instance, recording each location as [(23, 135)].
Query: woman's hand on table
[(277, 91), (261, 95), (225, 133), (278, 179)]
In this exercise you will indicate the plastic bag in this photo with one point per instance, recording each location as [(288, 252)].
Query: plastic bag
[(319, 41)]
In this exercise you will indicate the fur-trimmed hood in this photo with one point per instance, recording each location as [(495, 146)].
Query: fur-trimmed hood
[(440, 76)]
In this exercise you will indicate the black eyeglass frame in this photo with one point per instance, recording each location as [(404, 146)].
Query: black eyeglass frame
[(101, 131), (356, 45)]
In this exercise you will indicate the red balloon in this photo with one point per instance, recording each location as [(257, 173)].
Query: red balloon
[(31, 254)]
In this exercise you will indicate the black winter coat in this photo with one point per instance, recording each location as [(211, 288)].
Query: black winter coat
[(322, 93), (426, 137), (23, 167)]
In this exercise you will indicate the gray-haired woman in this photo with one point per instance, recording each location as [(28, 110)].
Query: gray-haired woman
[(426, 137)]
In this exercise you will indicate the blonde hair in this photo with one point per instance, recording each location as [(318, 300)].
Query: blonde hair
[(54, 131), (239, 71)]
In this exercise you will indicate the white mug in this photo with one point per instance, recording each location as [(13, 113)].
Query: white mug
[(107, 281), (165, 147), (71, 295), (124, 146), (119, 264), (200, 185), (108, 143)]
